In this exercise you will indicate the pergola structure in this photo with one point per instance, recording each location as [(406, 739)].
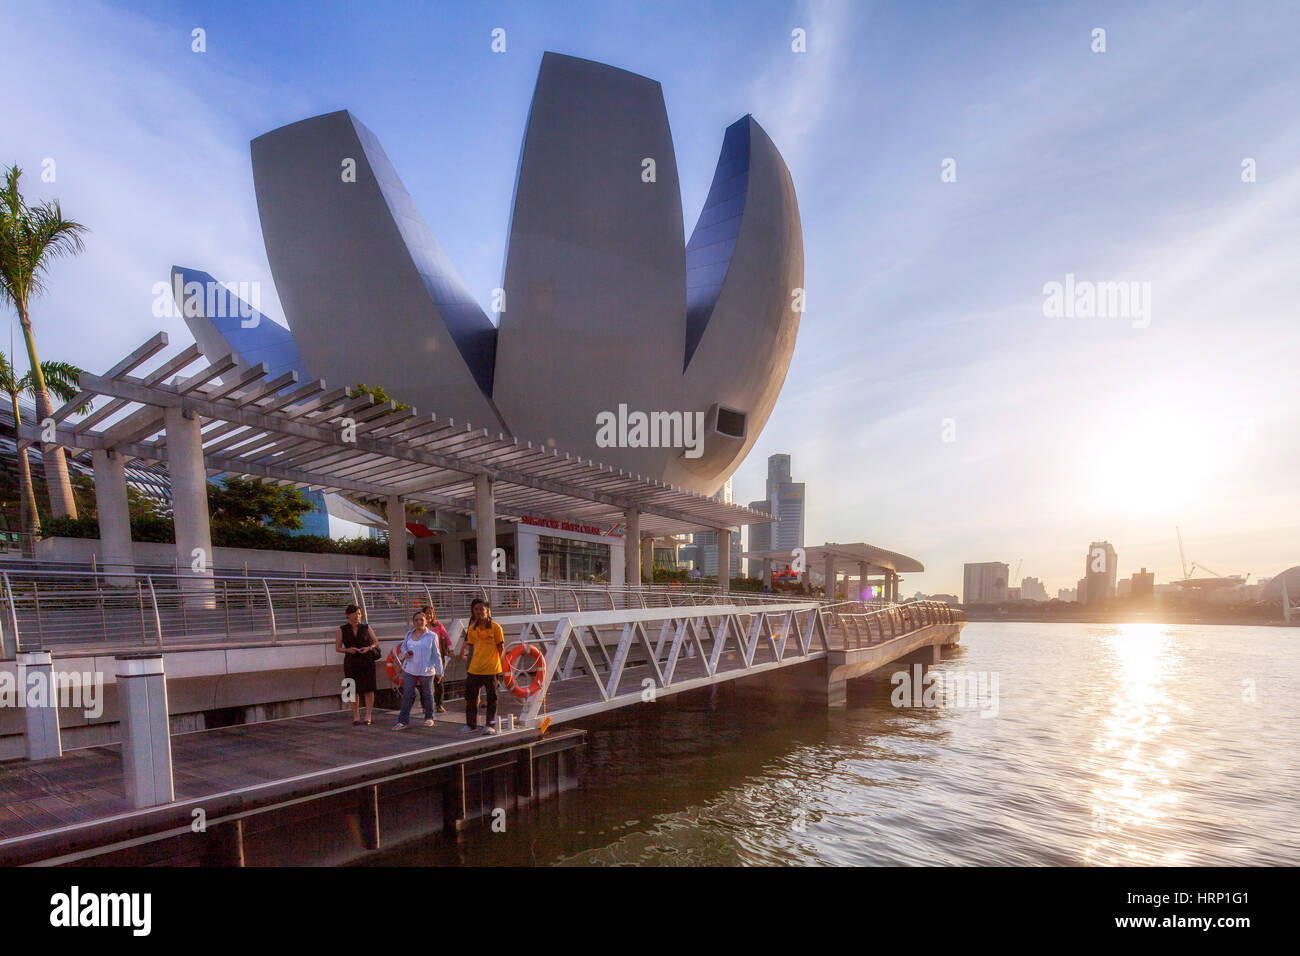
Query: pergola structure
[(868, 558), (202, 417)]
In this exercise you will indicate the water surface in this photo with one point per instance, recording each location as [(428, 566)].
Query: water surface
[(1129, 744)]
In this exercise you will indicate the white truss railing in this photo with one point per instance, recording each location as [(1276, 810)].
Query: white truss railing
[(588, 655)]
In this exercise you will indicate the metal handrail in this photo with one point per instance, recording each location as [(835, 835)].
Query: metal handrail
[(56, 605), (899, 618)]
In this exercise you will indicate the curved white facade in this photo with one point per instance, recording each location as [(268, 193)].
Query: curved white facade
[(595, 275), (607, 307), (368, 292)]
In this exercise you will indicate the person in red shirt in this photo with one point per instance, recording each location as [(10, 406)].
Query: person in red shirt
[(444, 648)]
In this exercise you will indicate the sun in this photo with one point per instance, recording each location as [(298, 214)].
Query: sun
[(1146, 470)]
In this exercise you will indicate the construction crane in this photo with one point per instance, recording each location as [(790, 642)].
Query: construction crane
[(1231, 580)]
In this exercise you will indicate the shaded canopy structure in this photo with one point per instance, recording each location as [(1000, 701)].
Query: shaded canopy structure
[(204, 417), (864, 559)]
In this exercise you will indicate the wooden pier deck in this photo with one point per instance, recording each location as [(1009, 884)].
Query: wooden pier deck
[(75, 805), (231, 770)]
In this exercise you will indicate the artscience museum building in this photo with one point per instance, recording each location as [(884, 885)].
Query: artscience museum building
[(609, 308)]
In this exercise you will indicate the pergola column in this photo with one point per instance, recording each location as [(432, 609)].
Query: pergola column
[(724, 560), (632, 548), (114, 517), (767, 572), (830, 577), (485, 526), (189, 480), (648, 559), (40, 712), (863, 570), (396, 514)]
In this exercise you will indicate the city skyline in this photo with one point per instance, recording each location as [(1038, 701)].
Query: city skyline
[(969, 424)]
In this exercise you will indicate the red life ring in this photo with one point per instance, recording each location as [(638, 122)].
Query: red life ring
[(394, 668), (508, 668)]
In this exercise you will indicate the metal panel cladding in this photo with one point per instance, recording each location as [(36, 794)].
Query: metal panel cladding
[(595, 275), (368, 292)]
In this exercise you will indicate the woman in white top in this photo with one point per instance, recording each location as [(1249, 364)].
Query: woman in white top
[(420, 660)]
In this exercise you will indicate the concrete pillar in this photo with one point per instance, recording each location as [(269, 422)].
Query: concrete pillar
[(837, 693), (114, 517), (648, 559), (863, 571), (485, 525), (632, 548), (396, 514), (41, 710), (368, 811), (189, 480), (223, 845), (146, 732), (830, 578), (724, 560)]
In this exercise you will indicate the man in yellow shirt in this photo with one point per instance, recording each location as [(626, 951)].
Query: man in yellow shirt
[(485, 640)]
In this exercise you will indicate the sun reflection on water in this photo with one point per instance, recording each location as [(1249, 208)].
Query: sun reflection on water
[(1134, 757)]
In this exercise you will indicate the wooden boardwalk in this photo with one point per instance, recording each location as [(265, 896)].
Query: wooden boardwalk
[(232, 769), (87, 785)]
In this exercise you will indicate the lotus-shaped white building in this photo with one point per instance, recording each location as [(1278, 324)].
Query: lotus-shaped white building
[(606, 304)]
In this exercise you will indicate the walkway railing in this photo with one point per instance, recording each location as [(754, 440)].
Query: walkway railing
[(599, 660), (67, 610), (864, 624)]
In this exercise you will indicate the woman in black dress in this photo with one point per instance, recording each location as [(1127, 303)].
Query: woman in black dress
[(356, 642)]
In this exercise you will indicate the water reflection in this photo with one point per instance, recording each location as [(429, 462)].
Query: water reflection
[(1114, 745), (1135, 793)]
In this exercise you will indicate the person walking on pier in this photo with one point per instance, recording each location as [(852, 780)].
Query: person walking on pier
[(486, 640), (444, 648), (357, 643), (420, 660)]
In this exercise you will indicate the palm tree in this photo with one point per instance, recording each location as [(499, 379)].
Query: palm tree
[(30, 238), (61, 380)]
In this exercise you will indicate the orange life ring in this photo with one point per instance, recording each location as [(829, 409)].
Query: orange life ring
[(394, 668), (508, 669)]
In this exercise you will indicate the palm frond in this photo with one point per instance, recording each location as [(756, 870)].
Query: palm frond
[(8, 379), (31, 237), (61, 382)]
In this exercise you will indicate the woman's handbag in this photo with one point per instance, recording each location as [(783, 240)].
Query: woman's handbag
[(375, 653)]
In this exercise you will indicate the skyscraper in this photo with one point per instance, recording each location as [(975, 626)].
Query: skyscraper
[(785, 500), (1099, 571), (705, 552), (985, 583), (1031, 589)]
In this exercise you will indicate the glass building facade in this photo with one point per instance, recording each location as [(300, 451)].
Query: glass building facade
[(565, 559)]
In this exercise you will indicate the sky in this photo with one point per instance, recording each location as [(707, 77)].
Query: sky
[(934, 405)]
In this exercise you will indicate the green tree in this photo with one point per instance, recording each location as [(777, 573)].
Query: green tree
[(377, 393), (60, 379), (250, 503), (31, 237)]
